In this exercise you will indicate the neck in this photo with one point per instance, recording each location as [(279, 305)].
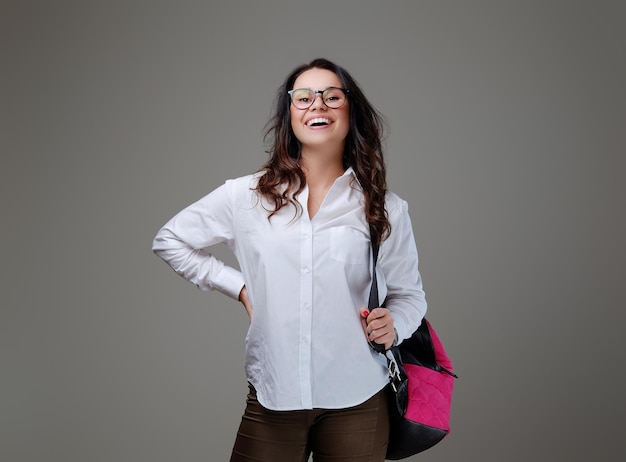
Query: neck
[(323, 160), (321, 171)]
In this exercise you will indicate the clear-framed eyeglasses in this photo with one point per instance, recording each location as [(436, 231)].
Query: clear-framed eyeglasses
[(333, 97)]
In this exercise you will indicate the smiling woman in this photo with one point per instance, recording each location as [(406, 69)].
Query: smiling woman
[(361, 148), (320, 128), (300, 229)]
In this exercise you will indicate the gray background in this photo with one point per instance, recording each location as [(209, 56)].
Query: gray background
[(507, 137)]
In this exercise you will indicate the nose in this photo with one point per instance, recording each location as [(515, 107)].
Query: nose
[(318, 103)]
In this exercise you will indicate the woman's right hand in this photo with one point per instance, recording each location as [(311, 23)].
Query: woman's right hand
[(243, 298)]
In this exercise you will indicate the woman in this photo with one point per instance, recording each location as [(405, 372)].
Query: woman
[(300, 230)]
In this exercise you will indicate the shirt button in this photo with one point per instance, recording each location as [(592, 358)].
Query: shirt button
[(306, 269), (306, 306)]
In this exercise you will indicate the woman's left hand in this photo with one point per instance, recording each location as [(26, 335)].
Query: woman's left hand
[(378, 326)]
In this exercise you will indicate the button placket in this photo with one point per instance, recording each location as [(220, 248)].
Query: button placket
[(306, 321)]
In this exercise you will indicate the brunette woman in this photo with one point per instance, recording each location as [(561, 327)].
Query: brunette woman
[(300, 229)]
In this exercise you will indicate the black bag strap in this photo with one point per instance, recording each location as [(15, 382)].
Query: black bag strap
[(397, 376), (373, 300)]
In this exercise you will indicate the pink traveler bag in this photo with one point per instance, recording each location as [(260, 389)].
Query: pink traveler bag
[(421, 383)]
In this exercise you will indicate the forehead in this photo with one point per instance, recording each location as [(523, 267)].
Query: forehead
[(317, 79)]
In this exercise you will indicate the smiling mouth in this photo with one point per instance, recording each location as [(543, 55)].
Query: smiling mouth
[(318, 122)]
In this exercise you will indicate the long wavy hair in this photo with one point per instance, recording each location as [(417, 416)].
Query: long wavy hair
[(284, 178)]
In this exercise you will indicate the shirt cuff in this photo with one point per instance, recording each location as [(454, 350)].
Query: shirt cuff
[(229, 281), (396, 339), (402, 332)]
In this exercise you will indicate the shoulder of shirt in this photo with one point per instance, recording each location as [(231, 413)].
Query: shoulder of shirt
[(246, 182), (394, 203)]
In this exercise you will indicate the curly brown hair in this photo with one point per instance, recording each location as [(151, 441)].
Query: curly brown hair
[(284, 179)]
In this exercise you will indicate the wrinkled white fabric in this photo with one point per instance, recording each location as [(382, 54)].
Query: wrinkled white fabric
[(307, 280)]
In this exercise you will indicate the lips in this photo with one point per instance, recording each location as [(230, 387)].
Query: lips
[(318, 122)]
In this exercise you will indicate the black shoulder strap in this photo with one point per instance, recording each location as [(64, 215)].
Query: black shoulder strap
[(373, 301)]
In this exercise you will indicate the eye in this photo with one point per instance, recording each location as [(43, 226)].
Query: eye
[(302, 95), (333, 94)]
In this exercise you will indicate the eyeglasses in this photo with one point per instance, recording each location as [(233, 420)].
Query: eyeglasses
[(333, 97)]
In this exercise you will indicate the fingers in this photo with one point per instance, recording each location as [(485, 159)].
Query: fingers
[(378, 326)]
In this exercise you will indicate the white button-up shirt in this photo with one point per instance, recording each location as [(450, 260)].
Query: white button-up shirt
[(307, 280)]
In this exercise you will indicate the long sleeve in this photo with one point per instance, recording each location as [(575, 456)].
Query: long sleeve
[(399, 263), (182, 243)]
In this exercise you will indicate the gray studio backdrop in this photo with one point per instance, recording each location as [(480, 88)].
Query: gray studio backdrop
[(507, 138)]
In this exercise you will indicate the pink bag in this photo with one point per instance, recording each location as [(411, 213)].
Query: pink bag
[(422, 381)]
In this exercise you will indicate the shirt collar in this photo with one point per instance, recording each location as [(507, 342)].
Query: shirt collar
[(349, 176)]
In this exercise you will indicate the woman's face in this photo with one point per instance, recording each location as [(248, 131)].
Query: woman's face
[(319, 125)]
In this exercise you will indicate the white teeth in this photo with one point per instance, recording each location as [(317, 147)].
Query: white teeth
[(318, 121)]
